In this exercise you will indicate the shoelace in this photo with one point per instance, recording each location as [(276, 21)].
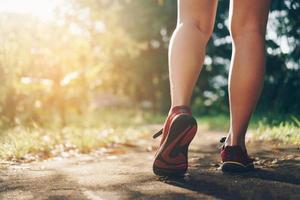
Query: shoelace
[(222, 141), (157, 134)]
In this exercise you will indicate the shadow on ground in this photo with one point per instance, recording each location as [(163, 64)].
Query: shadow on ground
[(280, 181), (129, 176)]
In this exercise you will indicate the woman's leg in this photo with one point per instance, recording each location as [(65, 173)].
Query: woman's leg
[(248, 19), (187, 46), (186, 54)]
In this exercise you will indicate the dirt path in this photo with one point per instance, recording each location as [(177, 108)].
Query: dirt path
[(127, 175)]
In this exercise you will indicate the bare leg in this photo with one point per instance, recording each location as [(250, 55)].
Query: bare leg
[(248, 19), (187, 46)]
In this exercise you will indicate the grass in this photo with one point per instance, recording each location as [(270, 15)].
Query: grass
[(275, 128), (217, 122), (106, 127), (22, 143), (287, 132), (82, 134)]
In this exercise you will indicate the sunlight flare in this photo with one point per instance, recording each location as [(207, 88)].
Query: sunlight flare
[(43, 9)]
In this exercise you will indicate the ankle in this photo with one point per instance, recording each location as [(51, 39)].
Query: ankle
[(240, 142), (235, 140), (180, 109)]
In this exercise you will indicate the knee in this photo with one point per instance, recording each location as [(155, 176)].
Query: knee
[(204, 29), (253, 29)]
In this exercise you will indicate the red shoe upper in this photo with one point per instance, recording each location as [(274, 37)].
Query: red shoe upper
[(235, 154), (174, 111), (172, 114)]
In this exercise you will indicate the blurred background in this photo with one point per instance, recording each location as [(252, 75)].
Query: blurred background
[(73, 70)]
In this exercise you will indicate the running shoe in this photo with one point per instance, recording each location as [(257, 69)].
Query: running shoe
[(171, 158), (235, 159)]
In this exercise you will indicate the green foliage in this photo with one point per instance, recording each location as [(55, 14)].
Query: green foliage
[(282, 83), (52, 71)]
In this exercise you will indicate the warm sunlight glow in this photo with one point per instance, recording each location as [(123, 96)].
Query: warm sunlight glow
[(40, 8)]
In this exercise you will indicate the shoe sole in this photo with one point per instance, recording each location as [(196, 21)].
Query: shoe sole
[(185, 127), (236, 167)]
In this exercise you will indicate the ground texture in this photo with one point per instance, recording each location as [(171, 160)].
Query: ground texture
[(125, 172)]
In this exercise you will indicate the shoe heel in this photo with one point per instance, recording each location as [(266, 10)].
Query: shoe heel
[(179, 125)]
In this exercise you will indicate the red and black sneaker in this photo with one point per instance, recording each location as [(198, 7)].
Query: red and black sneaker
[(235, 159), (171, 158)]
